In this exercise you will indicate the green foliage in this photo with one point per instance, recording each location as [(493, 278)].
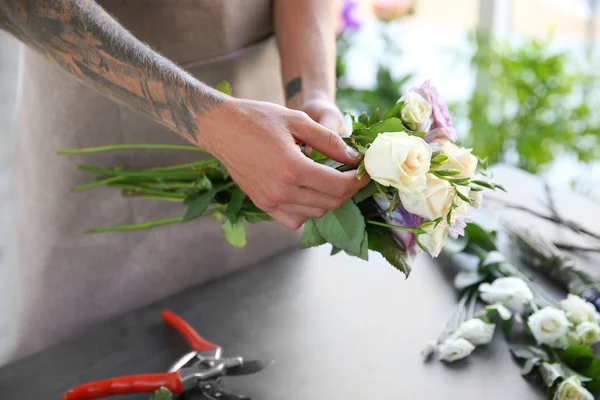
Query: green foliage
[(582, 360), (382, 241), (533, 103), (344, 228), (235, 232)]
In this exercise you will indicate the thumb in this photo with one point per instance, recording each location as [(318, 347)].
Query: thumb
[(332, 120), (328, 142)]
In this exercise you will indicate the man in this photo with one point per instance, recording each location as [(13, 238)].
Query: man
[(69, 280)]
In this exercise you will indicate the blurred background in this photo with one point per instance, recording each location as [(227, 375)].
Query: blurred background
[(520, 76)]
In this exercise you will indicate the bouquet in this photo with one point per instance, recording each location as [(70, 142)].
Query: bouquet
[(422, 190), (555, 337)]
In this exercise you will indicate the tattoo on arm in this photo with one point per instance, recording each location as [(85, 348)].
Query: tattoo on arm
[(293, 87), (86, 41)]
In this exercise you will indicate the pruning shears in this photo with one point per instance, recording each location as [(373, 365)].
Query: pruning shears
[(199, 369)]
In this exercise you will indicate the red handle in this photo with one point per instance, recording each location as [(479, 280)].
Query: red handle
[(126, 385), (197, 342)]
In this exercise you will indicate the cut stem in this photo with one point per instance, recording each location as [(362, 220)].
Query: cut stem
[(130, 147)]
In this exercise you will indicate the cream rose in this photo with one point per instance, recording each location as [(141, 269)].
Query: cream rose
[(475, 331), (416, 113), (455, 349), (432, 202), (511, 292), (587, 333), (578, 310), (459, 158), (399, 160), (548, 325), (434, 238), (571, 389)]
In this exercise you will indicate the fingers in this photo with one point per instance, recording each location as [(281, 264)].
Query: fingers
[(329, 181), (303, 211), (325, 141), (290, 221)]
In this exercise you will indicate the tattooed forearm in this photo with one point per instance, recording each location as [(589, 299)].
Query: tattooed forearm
[(85, 40), (293, 87)]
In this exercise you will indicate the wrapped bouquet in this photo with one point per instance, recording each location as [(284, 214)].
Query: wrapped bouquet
[(423, 185)]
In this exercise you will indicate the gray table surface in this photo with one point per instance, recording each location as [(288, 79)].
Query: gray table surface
[(336, 327)]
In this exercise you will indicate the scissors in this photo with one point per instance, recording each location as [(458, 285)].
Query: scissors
[(199, 369)]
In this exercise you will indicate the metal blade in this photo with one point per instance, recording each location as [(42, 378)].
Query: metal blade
[(249, 367), (213, 391)]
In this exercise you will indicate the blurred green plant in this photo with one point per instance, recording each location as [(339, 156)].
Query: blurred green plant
[(531, 104), (388, 88)]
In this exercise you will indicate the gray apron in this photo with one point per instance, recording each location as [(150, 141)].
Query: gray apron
[(69, 280)]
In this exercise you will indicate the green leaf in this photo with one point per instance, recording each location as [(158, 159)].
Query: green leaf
[(198, 204), (375, 118), (480, 237), (343, 227), (364, 119), (364, 249), (204, 183), (447, 172), (463, 197), (235, 233), (254, 217), (317, 157), (235, 204), (224, 171), (311, 236), (366, 192), (224, 87), (507, 326), (361, 171), (162, 394), (335, 250), (365, 136), (394, 111), (357, 125), (382, 241)]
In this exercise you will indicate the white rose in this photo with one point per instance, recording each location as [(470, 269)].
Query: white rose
[(416, 113), (399, 160), (587, 333), (571, 389), (511, 292), (432, 202), (455, 349), (459, 158), (548, 325), (578, 310), (434, 238), (475, 331)]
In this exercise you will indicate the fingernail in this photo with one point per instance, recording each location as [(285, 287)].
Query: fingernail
[(352, 152)]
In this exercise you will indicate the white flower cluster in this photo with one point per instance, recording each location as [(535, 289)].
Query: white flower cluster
[(425, 173)]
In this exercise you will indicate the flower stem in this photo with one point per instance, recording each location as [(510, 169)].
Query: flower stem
[(97, 183), (141, 174), (196, 164), (165, 198), (416, 231), (129, 147), (134, 227), (140, 189)]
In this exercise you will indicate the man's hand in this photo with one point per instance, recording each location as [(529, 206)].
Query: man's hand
[(325, 113), (258, 143)]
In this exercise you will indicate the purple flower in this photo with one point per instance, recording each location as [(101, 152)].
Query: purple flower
[(407, 240), (350, 16), (442, 127)]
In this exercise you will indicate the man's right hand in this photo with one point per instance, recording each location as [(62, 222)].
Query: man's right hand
[(258, 142)]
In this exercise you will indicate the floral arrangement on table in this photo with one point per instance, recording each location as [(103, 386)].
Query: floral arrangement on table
[(423, 185), (556, 336)]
